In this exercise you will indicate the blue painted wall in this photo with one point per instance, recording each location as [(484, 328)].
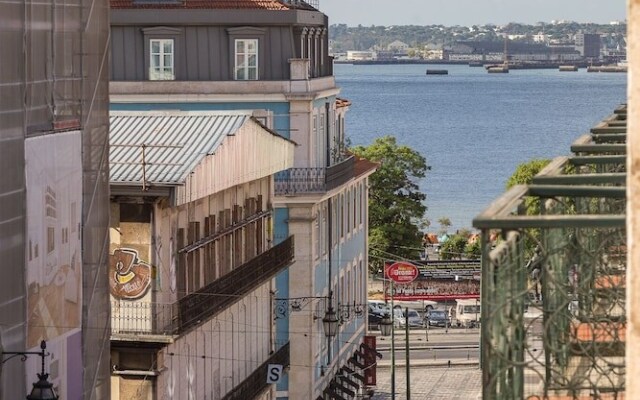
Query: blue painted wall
[(280, 233)]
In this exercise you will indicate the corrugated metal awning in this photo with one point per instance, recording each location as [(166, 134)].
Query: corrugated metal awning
[(163, 147)]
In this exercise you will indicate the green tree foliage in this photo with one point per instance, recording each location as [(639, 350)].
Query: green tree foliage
[(365, 37), (453, 248), (445, 224), (522, 176), (472, 250), (396, 206)]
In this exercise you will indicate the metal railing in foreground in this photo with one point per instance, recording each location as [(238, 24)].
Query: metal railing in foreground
[(553, 299)]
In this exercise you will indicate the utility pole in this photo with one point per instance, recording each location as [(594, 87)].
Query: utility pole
[(406, 351)]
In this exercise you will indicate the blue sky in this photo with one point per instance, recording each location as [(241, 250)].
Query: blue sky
[(469, 12)]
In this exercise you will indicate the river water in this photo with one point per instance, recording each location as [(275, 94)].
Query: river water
[(474, 128)]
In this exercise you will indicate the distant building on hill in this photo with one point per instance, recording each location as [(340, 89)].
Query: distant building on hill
[(354, 55), (588, 44), (398, 47), (492, 51)]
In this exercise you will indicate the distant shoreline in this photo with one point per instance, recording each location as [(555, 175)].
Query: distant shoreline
[(519, 65)]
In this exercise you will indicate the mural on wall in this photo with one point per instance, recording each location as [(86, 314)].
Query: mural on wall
[(129, 277), (54, 255)]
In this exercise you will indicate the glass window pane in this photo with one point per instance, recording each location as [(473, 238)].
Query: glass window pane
[(253, 73), (251, 46), (240, 74), (155, 46), (168, 60), (155, 61), (240, 60), (239, 46), (253, 60), (168, 46)]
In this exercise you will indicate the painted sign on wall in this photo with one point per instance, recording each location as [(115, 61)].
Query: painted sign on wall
[(129, 277)]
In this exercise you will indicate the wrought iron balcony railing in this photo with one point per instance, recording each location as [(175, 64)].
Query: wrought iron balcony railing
[(220, 294), (139, 320), (296, 181), (553, 287), (143, 318)]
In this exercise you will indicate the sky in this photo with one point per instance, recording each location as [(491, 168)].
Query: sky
[(469, 12)]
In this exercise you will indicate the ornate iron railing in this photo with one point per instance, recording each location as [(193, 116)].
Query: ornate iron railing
[(152, 319), (139, 317), (553, 286), (295, 181), (213, 298)]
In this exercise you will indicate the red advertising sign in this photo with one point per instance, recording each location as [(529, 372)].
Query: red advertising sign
[(402, 272), (370, 361)]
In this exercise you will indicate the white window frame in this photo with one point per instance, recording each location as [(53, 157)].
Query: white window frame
[(243, 66), (159, 72)]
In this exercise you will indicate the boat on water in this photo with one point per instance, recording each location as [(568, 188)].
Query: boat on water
[(607, 68), (568, 68), (498, 69), (437, 72)]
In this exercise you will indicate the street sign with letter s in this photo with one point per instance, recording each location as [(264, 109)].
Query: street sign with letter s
[(274, 373)]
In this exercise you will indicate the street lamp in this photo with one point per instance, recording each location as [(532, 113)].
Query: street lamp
[(330, 323), (43, 389)]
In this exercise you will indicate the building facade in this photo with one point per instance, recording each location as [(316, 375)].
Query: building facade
[(54, 195), (192, 256), (271, 58), (588, 44)]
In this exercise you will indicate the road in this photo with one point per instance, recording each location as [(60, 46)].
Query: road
[(443, 368)]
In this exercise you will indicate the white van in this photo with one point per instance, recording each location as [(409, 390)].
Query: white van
[(466, 313)]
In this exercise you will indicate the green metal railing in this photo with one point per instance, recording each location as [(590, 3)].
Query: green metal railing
[(553, 284)]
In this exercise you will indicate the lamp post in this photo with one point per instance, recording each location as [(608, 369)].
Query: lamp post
[(43, 389), (330, 323), (386, 328)]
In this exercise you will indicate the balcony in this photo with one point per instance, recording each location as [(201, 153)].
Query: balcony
[(220, 294), (143, 321), (299, 181), (159, 323), (553, 287)]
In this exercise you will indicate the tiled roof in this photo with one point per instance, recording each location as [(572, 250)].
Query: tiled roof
[(174, 142), (274, 5)]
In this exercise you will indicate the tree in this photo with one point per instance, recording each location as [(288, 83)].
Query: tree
[(453, 247), (396, 208), (523, 176), (445, 224), (472, 250)]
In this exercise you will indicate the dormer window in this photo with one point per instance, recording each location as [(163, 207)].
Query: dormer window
[(161, 63), (163, 50), (246, 59)]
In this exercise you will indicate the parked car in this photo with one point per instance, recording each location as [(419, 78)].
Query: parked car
[(398, 318), (378, 307), (410, 316), (438, 318)]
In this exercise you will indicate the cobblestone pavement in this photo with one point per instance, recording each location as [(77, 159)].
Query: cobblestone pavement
[(432, 383)]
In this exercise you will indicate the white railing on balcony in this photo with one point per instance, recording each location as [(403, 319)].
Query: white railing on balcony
[(138, 317)]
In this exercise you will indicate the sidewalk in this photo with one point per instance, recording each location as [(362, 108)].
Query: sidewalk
[(433, 383)]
